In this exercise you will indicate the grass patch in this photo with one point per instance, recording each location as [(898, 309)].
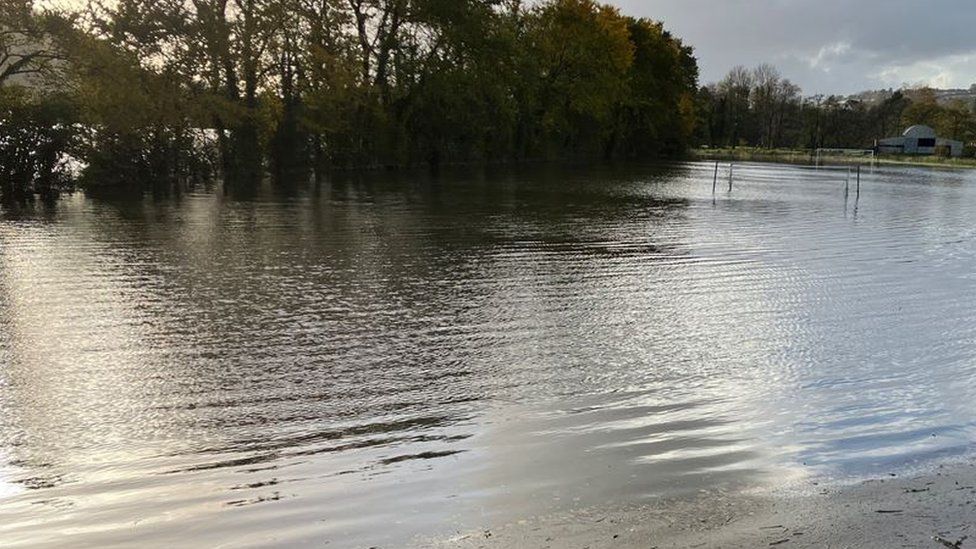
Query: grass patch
[(805, 156)]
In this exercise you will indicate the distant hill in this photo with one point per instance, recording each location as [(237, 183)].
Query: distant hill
[(944, 97), (967, 96)]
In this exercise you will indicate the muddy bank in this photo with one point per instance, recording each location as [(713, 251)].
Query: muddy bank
[(935, 509)]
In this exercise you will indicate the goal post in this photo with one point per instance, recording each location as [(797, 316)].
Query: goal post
[(851, 153)]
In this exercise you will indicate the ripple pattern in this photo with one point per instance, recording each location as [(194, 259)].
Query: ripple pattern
[(368, 361)]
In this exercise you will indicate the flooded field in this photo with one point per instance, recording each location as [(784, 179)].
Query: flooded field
[(375, 362)]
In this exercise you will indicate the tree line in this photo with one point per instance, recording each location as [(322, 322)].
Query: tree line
[(160, 92), (761, 108)]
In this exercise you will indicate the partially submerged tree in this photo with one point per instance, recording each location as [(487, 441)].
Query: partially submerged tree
[(364, 83), (37, 118), (35, 140)]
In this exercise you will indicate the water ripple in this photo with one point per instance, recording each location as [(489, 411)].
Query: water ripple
[(361, 362)]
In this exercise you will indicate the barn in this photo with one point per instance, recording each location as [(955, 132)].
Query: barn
[(920, 140)]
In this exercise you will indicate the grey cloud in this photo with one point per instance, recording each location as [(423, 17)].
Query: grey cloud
[(827, 46)]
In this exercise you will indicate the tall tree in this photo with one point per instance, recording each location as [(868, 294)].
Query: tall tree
[(736, 88)]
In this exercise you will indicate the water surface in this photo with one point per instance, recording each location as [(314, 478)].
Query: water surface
[(363, 362)]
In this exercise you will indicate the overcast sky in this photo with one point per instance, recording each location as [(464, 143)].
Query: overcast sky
[(828, 46)]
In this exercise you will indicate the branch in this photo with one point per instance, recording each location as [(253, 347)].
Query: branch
[(23, 64)]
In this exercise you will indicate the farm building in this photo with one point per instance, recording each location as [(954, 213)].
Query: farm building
[(920, 140)]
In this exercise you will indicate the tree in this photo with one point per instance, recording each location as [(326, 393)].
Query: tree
[(37, 122), (659, 113), (765, 85), (30, 49), (889, 113), (736, 89), (786, 113), (584, 53)]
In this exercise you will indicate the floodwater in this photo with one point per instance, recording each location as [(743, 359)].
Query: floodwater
[(376, 362)]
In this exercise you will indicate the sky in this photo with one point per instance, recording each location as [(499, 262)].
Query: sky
[(828, 46)]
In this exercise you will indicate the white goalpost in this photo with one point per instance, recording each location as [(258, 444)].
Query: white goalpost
[(853, 153)]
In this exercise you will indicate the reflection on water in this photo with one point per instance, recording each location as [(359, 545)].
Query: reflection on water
[(367, 361)]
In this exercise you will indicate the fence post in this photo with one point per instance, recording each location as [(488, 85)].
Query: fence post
[(715, 179)]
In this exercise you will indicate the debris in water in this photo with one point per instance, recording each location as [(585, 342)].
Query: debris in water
[(949, 544)]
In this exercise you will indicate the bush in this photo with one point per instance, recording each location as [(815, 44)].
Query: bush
[(37, 135), (150, 158)]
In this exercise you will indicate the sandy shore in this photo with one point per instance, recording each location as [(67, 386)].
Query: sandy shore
[(934, 509)]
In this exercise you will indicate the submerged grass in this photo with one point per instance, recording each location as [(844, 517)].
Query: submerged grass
[(805, 156)]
